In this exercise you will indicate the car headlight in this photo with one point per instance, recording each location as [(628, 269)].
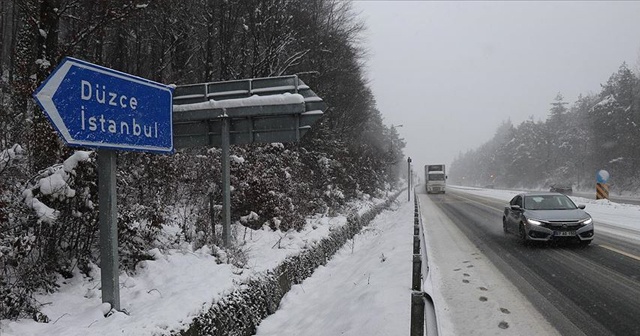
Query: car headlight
[(587, 221), (533, 221)]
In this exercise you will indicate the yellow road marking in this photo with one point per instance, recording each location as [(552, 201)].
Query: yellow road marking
[(633, 256)]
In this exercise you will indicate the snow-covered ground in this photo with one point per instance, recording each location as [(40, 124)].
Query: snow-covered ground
[(363, 290), (166, 294), (471, 296)]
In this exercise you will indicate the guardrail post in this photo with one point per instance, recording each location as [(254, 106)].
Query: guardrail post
[(417, 314), (416, 276)]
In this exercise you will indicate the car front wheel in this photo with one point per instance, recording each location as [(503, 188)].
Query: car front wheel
[(504, 225), (522, 233)]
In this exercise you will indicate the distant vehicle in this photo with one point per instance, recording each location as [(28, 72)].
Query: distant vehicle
[(545, 216), (563, 188), (435, 178)]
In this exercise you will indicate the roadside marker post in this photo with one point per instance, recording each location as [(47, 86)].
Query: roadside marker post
[(602, 188)]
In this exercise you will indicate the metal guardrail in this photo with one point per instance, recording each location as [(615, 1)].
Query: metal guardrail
[(423, 313)]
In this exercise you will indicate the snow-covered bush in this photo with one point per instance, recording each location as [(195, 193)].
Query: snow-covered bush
[(51, 233), (8, 156), (327, 177), (138, 228), (268, 186), (156, 190)]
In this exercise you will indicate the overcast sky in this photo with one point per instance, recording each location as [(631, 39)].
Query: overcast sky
[(451, 72)]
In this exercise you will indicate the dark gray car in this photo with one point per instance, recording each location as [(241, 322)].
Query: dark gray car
[(563, 188), (545, 216)]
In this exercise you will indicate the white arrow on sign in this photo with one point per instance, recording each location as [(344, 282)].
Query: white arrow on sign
[(45, 97)]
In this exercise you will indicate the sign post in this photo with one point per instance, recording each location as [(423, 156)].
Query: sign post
[(94, 106), (408, 179), (108, 220), (226, 182)]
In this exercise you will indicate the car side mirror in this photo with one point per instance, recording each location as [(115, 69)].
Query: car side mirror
[(581, 206), (515, 207)]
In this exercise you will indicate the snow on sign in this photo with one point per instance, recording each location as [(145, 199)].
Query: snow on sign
[(602, 176), (94, 106)]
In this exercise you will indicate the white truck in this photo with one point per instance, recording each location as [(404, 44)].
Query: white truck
[(435, 178)]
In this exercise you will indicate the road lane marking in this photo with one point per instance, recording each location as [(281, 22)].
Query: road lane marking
[(492, 207), (633, 256)]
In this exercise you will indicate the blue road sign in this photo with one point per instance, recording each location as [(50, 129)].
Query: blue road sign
[(94, 106), (602, 176)]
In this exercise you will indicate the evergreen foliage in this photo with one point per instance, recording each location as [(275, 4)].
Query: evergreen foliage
[(597, 132)]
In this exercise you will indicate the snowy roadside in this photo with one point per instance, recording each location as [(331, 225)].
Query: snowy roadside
[(357, 293), (365, 289), (166, 294), (470, 294)]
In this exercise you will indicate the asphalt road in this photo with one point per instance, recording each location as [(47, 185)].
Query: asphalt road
[(592, 290)]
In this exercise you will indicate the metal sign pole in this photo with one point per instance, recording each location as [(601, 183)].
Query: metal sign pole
[(408, 179), (108, 220), (226, 183)]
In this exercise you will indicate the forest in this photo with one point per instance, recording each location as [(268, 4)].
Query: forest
[(598, 131), (48, 232)]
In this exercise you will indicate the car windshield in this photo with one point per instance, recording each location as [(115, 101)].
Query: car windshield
[(548, 202)]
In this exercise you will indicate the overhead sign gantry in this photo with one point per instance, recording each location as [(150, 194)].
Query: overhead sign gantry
[(259, 110)]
